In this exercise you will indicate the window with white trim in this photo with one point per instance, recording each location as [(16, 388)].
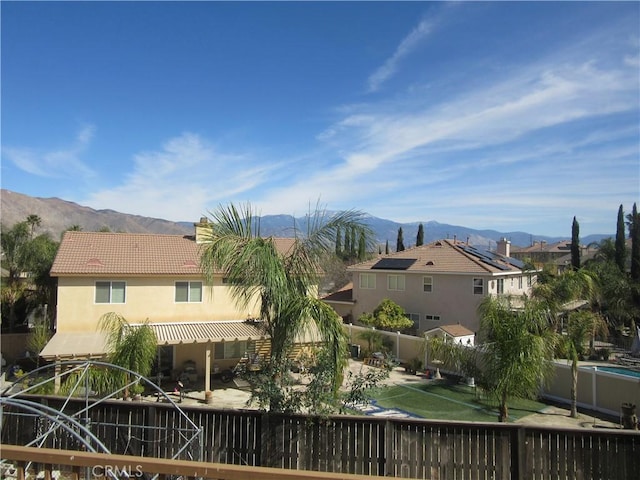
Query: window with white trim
[(395, 282), (520, 283), (432, 318), (368, 280), (500, 288), (190, 292), (478, 286), (110, 292), (427, 284)]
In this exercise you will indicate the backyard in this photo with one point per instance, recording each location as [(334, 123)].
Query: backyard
[(448, 400)]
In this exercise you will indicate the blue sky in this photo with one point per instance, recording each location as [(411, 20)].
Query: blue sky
[(503, 115)]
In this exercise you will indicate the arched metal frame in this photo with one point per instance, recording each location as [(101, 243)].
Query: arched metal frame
[(78, 420)]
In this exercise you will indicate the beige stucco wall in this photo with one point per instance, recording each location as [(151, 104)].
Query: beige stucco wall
[(451, 298), (146, 298), (597, 390)]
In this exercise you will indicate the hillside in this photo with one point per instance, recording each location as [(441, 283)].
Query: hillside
[(58, 215)]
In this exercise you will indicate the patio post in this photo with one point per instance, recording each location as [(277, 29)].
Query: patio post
[(207, 368)]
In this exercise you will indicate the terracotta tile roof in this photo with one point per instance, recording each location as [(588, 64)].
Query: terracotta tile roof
[(107, 253), (442, 256), (345, 294), (558, 247)]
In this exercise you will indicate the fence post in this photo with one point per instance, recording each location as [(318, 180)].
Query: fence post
[(518, 453), (389, 461), (265, 441)]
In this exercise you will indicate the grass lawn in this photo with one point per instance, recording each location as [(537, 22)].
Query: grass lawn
[(443, 400)]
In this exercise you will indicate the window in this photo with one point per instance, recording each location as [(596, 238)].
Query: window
[(368, 280), (189, 292), (110, 292), (432, 318), (427, 284), (395, 282), (478, 286), (500, 286), (414, 317), (520, 283), (237, 349)]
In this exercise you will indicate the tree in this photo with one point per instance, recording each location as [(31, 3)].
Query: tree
[(582, 326), (13, 242), (347, 244), (635, 244), (38, 337), (281, 285), (39, 256), (130, 347), (338, 243), (575, 245), (386, 248), (399, 241), (353, 250), (518, 350), (362, 247), (420, 237), (621, 248), (388, 315), (13, 247), (33, 221)]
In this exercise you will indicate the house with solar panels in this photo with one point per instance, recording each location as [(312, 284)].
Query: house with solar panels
[(441, 283), (154, 278)]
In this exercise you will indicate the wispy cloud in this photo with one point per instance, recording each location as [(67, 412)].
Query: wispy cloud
[(488, 141), (407, 45), (63, 162), (183, 179)]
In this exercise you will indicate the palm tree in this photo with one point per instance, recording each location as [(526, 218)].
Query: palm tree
[(566, 293), (282, 283), (33, 221), (517, 352), (582, 326), (130, 347)]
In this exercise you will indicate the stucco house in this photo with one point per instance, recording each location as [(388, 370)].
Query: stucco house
[(154, 278), (441, 283)]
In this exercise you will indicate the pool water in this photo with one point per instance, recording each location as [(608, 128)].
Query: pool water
[(620, 371)]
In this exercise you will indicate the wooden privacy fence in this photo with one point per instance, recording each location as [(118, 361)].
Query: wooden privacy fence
[(409, 448)]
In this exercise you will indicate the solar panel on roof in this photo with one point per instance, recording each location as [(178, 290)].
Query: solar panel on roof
[(394, 263), (515, 262), (486, 257)]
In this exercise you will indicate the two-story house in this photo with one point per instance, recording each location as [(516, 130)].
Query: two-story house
[(441, 283), (154, 278)]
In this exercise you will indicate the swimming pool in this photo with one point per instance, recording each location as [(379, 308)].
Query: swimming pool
[(620, 371)]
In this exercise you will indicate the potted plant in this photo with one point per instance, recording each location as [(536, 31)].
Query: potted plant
[(415, 365)]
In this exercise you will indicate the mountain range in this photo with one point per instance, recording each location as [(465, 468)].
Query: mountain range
[(58, 215)]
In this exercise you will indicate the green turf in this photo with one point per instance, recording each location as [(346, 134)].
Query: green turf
[(447, 401)]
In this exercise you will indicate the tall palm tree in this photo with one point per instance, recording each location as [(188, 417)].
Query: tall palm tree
[(517, 352), (565, 293), (283, 284), (582, 326), (34, 221)]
